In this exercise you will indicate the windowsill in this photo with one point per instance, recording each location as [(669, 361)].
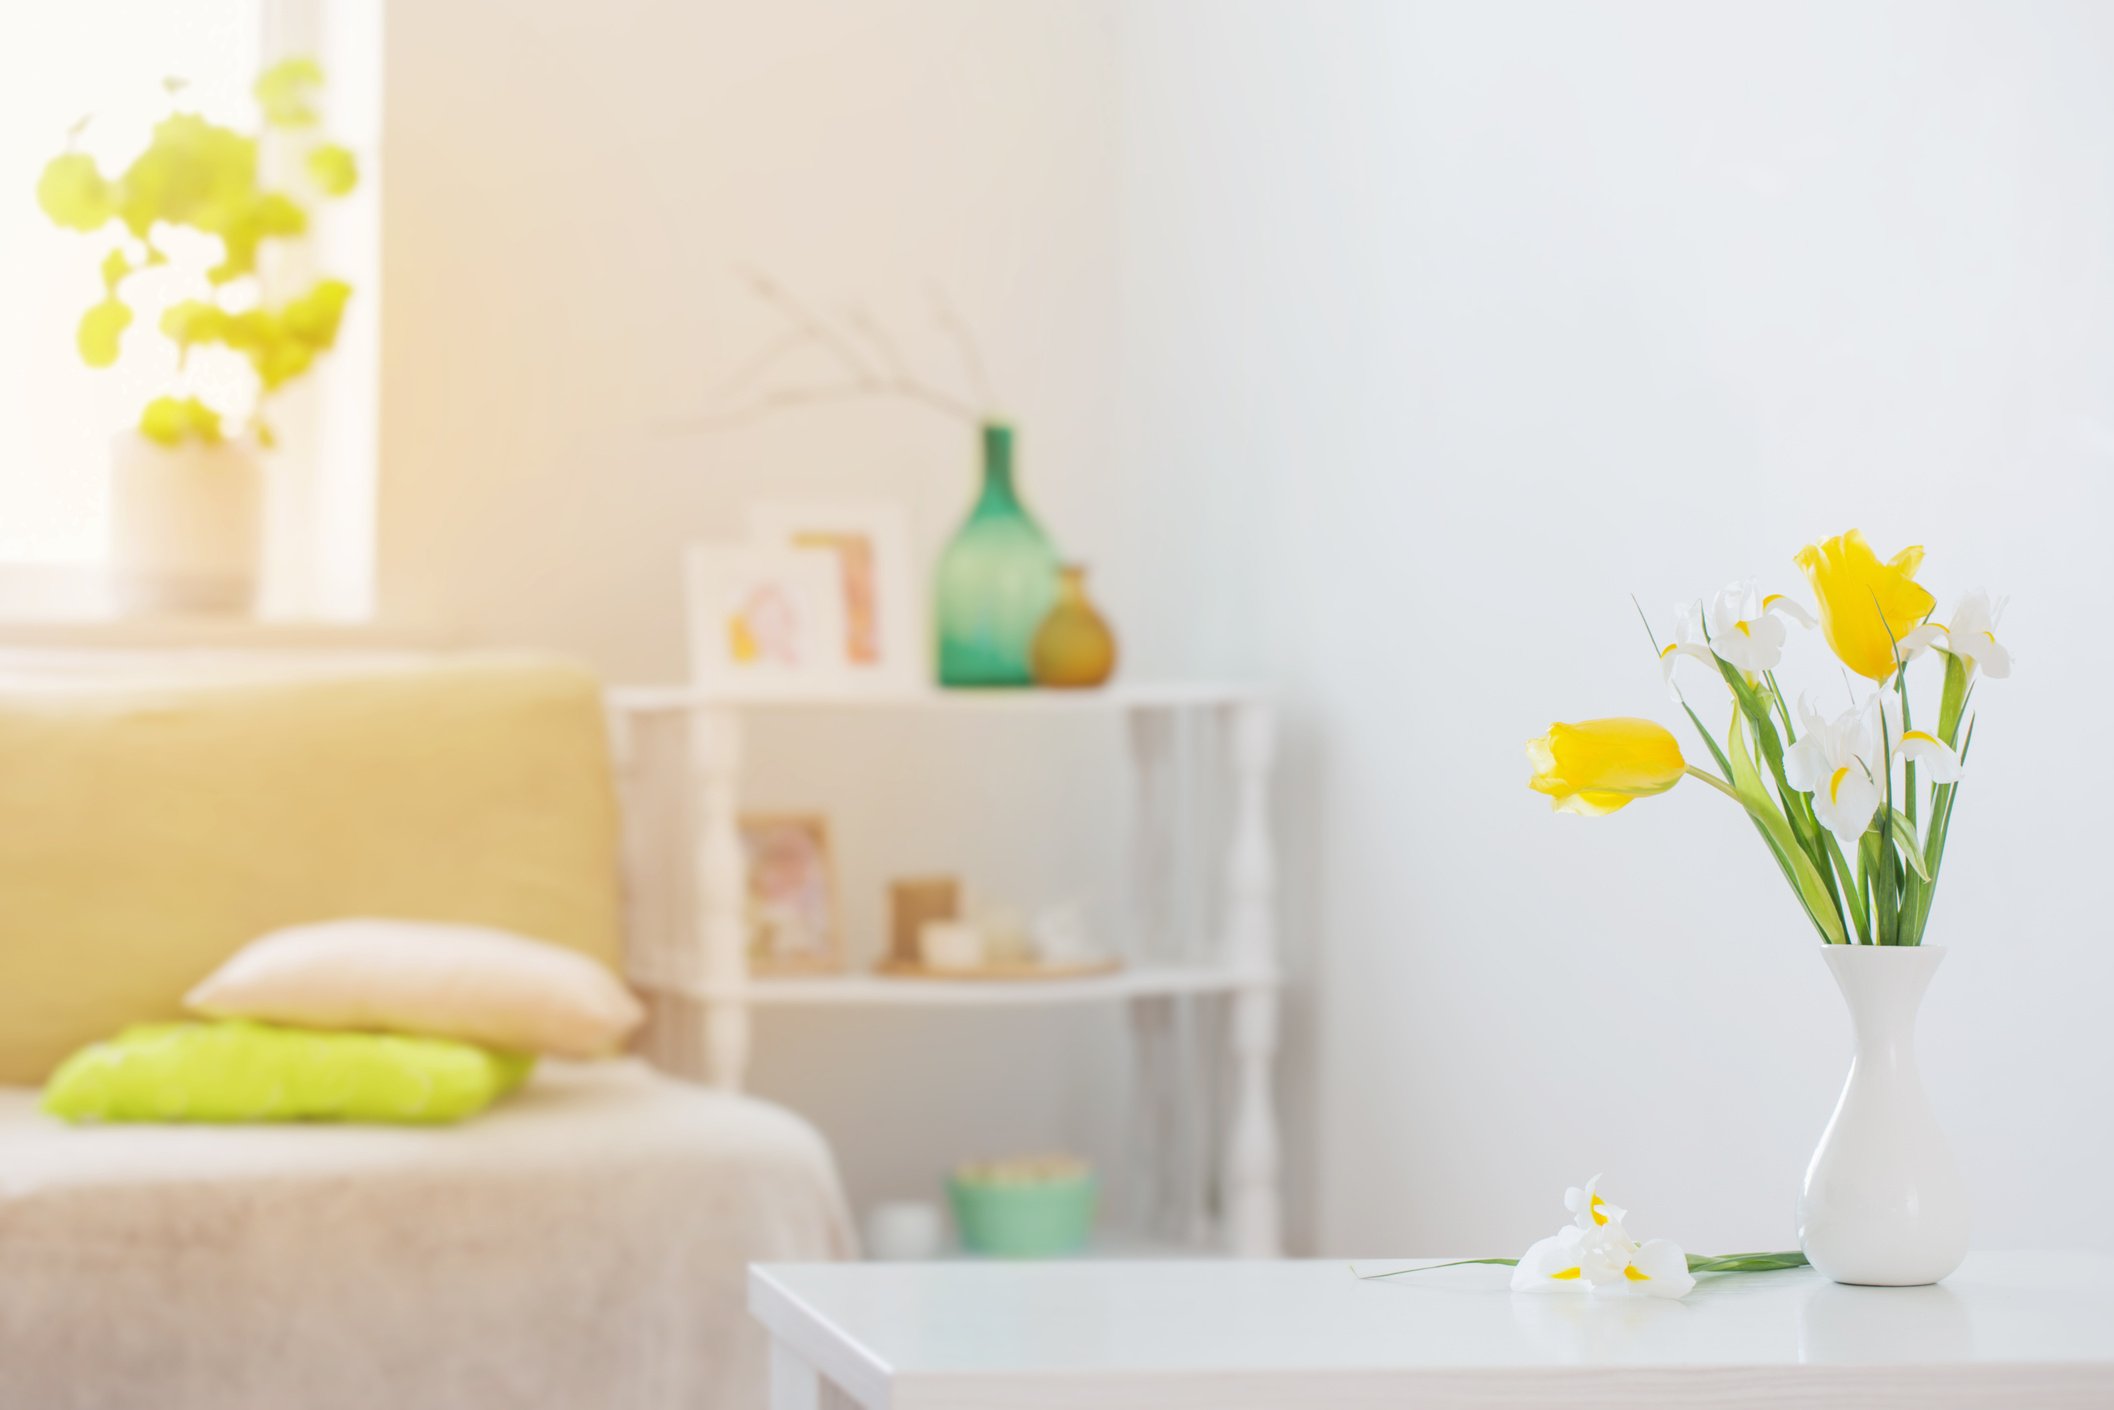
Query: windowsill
[(63, 607), (216, 633)]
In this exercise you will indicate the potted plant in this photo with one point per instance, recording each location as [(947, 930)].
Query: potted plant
[(187, 484)]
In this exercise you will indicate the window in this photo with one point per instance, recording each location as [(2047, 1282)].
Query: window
[(107, 60)]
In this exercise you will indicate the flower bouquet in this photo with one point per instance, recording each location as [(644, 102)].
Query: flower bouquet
[(1855, 809)]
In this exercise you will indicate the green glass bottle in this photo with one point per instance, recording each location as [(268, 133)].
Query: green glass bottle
[(997, 580)]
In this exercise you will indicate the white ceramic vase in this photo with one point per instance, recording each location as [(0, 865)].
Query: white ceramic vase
[(186, 526), (1883, 1202)]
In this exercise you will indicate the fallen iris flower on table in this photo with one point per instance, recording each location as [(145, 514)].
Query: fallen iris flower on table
[(1595, 1253)]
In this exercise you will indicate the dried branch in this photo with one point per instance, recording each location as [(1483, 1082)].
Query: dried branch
[(891, 375), (891, 355), (749, 373), (772, 293), (965, 344), (782, 399)]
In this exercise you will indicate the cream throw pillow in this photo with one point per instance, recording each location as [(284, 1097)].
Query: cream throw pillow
[(466, 982)]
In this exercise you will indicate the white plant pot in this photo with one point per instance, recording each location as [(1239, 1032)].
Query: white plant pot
[(1883, 1203), (186, 526)]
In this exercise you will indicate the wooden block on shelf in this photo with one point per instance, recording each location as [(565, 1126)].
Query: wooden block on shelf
[(911, 902)]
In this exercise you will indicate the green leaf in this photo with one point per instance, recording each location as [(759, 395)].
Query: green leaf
[(168, 420), (1954, 699), (73, 193), (100, 331), (333, 168), (193, 321), (313, 318), (1797, 809), (115, 269), (1813, 893), (1460, 1263), (1716, 753), (1745, 1262), (286, 92), (1905, 841), (1886, 901)]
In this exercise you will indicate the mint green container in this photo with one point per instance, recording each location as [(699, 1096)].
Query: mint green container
[(997, 581), (1045, 1219)]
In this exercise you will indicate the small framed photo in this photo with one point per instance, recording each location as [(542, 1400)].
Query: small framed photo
[(763, 621), (869, 545), (792, 894)]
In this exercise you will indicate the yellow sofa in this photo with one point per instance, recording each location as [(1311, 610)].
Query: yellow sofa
[(582, 1244)]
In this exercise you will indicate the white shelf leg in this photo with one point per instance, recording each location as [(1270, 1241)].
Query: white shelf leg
[(1151, 1019), (796, 1385), (721, 886), (1253, 1216), (1151, 863), (1156, 1111)]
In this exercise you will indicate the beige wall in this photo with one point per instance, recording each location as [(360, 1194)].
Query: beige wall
[(571, 188)]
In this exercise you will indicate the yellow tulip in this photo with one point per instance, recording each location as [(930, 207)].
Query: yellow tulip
[(1865, 606), (1597, 766)]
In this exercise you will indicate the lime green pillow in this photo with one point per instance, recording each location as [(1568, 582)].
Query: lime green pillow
[(241, 1071)]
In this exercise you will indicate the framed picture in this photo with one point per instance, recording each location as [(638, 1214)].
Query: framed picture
[(869, 545), (792, 894), (764, 621)]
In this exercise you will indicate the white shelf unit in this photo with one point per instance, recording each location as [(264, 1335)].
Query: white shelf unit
[(1203, 1016)]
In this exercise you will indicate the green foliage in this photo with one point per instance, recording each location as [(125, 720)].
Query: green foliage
[(73, 193), (200, 175), (333, 169), (168, 420), (286, 92), (98, 335), (278, 344)]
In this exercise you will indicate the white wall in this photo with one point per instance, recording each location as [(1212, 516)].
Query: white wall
[(1522, 309), (1388, 348)]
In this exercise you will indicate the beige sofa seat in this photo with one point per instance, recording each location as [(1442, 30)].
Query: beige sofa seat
[(581, 1245)]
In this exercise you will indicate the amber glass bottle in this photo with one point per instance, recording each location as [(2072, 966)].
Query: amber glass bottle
[(1074, 646)]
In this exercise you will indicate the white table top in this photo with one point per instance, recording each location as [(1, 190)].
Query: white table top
[(2023, 1328)]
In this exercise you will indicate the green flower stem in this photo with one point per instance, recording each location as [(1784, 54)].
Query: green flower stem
[(1942, 801), (1715, 782), (1861, 912)]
